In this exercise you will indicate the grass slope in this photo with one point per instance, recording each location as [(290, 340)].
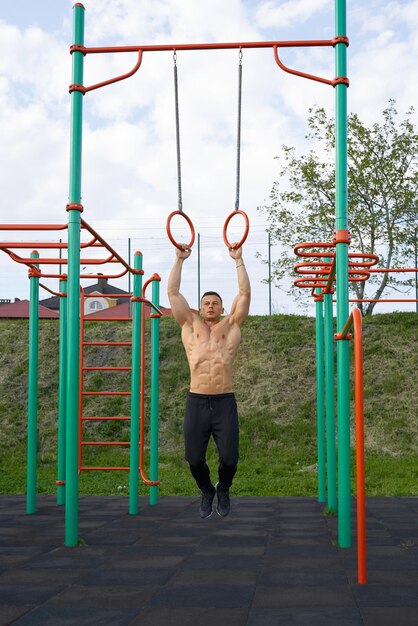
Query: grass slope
[(275, 388)]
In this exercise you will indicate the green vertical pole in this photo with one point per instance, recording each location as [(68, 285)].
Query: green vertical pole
[(341, 224), (62, 394), (32, 391), (73, 362), (154, 410), (135, 387), (329, 403), (320, 410)]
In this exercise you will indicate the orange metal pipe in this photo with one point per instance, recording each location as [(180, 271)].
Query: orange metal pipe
[(106, 245), (33, 226), (209, 46), (355, 321)]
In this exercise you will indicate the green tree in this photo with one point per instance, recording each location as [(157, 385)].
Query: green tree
[(382, 197)]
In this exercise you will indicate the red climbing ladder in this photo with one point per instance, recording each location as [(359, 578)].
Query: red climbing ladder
[(85, 393)]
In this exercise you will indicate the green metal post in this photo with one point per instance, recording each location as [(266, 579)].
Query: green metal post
[(135, 387), (155, 340), (329, 403), (62, 394), (73, 362), (320, 411), (32, 391), (341, 224)]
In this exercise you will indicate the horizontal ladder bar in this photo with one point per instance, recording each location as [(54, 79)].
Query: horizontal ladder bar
[(106, 419), (104, 469), (107, 343), (105, 393), (105, 443), (107, 319), (106, 369)]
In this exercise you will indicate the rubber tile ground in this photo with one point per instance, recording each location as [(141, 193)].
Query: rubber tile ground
[(271, 562)]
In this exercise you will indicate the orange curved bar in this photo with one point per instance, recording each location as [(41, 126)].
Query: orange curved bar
[(318, 79), (245, 235), (170, 236), (146, 480), (312, 244), (54, 293), (125, 271), (110, 81), (107, 246)]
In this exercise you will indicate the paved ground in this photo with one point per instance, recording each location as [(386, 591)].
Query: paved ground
[(273, 561)]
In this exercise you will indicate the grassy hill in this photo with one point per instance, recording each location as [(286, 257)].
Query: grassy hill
[(275, 388)]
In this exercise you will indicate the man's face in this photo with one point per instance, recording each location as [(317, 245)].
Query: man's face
[(211, 308)]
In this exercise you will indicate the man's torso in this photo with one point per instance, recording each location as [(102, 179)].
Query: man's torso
[(210, 352)]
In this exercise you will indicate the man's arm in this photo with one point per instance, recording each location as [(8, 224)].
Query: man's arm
[(241, 304), (179, 305)]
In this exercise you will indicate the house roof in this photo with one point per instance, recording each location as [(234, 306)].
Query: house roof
[(101, 287), (20, 310), (122, 310)]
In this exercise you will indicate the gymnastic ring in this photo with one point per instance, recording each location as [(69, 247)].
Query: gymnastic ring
[(247, 228), (170, 236)]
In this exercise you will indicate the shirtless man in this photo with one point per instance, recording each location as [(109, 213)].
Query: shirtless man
[(211, 344)]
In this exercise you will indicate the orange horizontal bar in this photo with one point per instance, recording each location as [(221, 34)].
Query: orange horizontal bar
[(105, 443), (105, 419), (107, 369), (384, 300), (209, 46), (395, 270), (104, 469), (106, 393), (108, 295), (107, 319), (107, 343), (33, 226)]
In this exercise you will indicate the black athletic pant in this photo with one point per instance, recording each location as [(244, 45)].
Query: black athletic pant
[(214, 415)]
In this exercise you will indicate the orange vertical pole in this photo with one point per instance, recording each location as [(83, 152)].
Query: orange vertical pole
[(361, 492)]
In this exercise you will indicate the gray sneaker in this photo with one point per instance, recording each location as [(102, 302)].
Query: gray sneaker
[(224, 505), (206, 502)]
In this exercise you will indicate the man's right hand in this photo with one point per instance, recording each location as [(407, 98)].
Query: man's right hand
[(184, 253)]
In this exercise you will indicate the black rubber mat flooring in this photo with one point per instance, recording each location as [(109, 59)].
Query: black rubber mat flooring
[(272, 561)]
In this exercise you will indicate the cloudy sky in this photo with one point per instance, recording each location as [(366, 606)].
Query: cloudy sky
[(129, 154)]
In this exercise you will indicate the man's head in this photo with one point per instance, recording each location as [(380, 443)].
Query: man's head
[(211, 307)]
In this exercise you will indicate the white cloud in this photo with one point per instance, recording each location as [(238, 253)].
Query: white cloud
[(129, 154)]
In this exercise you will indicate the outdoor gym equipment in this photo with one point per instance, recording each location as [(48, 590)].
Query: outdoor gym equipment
[(67, 454), (318, 272), (75, 225)]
